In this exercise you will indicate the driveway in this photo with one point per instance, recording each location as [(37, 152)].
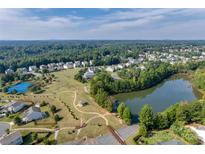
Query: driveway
[(108, 139), (3, 127)]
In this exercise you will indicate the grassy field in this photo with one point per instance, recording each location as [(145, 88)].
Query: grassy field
[(61, 93)]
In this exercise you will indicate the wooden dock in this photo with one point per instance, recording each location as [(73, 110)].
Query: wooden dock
[(116, 135)]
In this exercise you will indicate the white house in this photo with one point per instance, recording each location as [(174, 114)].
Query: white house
[(33, 113), (91, 62), (85, 63), (92, 69), (76, 64), (88, 75), (68, 65), (32, 68), (43, 67), (13, 138), (9, 72)]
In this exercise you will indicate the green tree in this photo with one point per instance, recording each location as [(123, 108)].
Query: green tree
[(57, 118), (146, 117), (14, 91), (161, 121), (17, 120), (5, 89), (7, 131), (127, 117), (53, 109), (142, 130), (120, 109), (183, 113)]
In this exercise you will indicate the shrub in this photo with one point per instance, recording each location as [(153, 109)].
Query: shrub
[(43, 104), (186, 133), (53, 109), (34, 136), (17, 120), (57, 118), (120, 109)]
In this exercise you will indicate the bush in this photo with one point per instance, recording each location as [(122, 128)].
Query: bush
[(53, 109), (57, 118), (120, 109), (186, 133), (43, 104), (34, 136), (17, 120)]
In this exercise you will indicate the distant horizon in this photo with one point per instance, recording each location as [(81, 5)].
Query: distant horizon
[(102, 24), (109, 40)]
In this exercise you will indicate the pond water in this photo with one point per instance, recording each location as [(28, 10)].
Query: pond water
[(159, 97), (21, 87)]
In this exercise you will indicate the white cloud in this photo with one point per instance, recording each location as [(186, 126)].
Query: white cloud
[(124, 24)]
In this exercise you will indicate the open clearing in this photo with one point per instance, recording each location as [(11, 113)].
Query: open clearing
[(65, 93)]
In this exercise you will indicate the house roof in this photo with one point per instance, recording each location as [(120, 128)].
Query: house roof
[(16, 104), (171, 142), (35, 109), (8, 139)]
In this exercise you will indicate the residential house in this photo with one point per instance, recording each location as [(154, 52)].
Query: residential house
[(85, 63), (68, 65), (32, 68), (76, 64), (88, 75), (92, 69), (33, 113), (14, 107), (9, 72), (43, 67), (13, 138), (91, 62)]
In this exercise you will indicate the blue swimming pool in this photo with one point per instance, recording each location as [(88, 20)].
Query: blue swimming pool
[(20, 87)]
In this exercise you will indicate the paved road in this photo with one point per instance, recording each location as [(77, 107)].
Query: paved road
[(108, 139), (3, 127)]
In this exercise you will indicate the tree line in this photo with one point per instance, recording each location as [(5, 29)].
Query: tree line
[(103, 85), (175, 118)]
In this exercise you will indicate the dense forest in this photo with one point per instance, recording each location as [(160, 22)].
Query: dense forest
[(17, 54)]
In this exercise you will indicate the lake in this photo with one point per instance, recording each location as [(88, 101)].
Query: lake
[(21, 87), (159, 97)]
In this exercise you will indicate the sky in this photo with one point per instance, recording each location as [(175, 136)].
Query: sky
[(102, 24)]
